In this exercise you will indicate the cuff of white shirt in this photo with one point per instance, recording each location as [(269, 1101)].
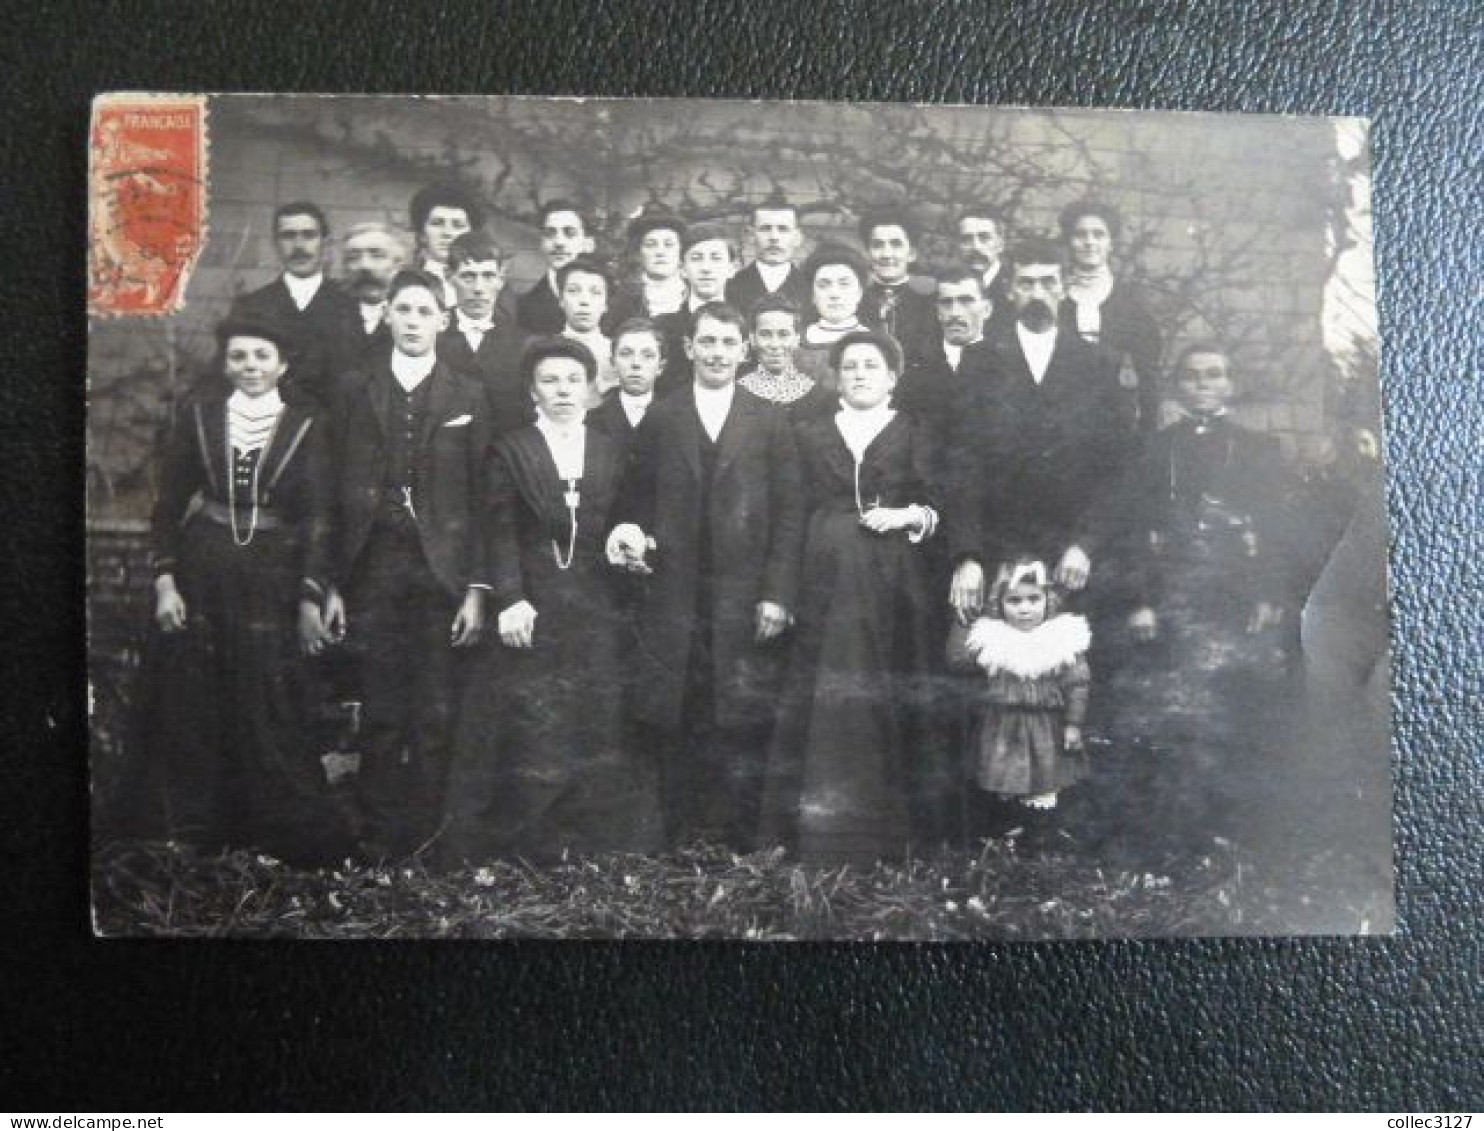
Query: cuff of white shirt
[(927, 523)]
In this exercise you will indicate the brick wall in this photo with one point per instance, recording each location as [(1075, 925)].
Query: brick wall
[(1229, 219)]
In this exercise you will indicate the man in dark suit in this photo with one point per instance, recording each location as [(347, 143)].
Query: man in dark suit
[(938, 382), (896, 300), (712, 511), (1035, 459), (370, 257), (308, 306), (981, 232), (411, 441), (565, 234), (776, 238), (482, 344)]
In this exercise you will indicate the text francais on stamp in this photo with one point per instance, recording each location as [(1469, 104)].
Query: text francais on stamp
[(146, 201)]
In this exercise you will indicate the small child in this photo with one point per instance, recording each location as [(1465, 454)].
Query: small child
[(1028, 746)]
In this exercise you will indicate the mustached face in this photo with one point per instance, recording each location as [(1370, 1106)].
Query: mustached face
[(980, 243), (301, 245), (563, 239), (776, 234), (371, 259), (962, 310), (1035, 292)]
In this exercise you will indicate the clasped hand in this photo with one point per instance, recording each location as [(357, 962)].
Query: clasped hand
[(627, 547), (884, 520)]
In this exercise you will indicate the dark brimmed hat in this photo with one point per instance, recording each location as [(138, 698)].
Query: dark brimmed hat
[(556, 346), (701, 233), (652, 219), (831, 254), (234, 327), (890, 348)]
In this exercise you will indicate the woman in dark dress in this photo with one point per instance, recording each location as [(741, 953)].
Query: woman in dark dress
[(858, 772), (241, 553), (541, 766), (1110, 311)]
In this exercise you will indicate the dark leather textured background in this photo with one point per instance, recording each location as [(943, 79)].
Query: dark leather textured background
[(1392, 1024)]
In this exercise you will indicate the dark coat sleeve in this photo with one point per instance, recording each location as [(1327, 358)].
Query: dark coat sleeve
[(181, 476), (787, 505), (503, 539), (317, 523)]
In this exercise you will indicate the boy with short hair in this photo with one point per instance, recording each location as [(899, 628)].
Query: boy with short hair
[(565, 234), (481, 344), (411, 440), (638, 360)]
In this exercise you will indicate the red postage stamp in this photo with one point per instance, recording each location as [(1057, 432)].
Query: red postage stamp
[(146, 200)]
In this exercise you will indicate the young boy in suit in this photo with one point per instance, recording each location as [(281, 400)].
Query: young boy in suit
[(411, 441)]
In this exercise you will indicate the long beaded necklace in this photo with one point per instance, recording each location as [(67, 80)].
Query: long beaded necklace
[(257, 467)]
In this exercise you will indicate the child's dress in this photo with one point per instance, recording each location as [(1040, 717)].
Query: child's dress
[(1037, 686)]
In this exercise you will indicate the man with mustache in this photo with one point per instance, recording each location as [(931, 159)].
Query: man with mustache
[(371, 255), (1034, 457), (306, 306), (776, 239), (935, 383)]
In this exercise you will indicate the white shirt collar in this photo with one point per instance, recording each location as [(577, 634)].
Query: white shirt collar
[(481, 325), (713, 405), (372, 314), (774, 275), (411, 372), (302, 289), (859, 426), (666, 296), (568, 446), (1037, 348), (955, 353), (634, 407), (256, 408)]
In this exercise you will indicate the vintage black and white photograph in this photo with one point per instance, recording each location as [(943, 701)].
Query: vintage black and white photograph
[(515, 517)]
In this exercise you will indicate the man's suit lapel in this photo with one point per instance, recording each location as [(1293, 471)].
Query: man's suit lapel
[(442, 402), (691, 430), (735, 431)]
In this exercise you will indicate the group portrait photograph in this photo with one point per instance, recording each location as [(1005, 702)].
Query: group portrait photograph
[(599, 518)]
